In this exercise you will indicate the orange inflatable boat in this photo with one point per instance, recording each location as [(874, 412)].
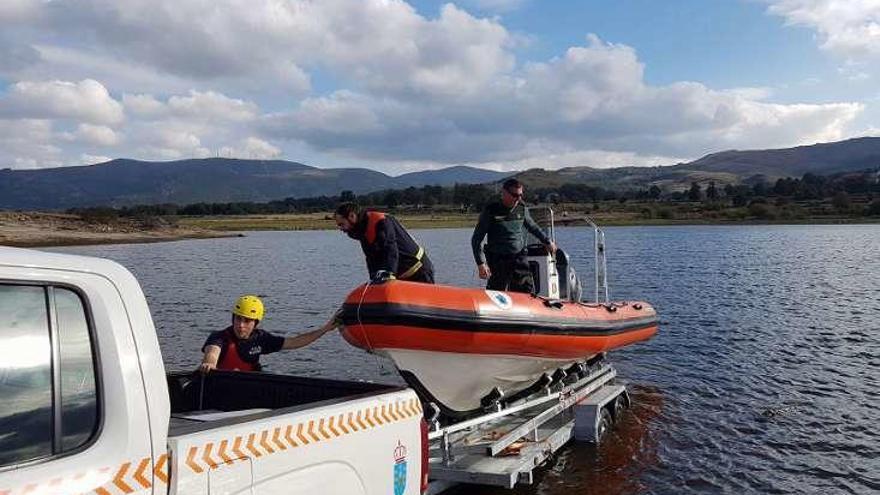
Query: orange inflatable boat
[(456, 346)]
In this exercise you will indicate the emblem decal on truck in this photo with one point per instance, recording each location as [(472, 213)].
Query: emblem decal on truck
[(399, 469)]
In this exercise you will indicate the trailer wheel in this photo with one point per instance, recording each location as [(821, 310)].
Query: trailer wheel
[(604, 426)]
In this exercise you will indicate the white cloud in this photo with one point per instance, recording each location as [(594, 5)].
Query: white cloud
[(87, 100), (211, 106), (590, 158), (86, 159), (96, 135), (173, 141), (251, 148), (12, 11), (143, 105), (369, 80), (847, 27), (342, 111), (593, 98), (118, 71), (383, 44), (28, 143), (754, 93)]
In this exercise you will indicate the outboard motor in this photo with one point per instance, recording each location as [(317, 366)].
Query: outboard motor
[(569, 284), (554, 277), (544, 271)]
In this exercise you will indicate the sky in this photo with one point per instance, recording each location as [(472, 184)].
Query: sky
[(404, 86)]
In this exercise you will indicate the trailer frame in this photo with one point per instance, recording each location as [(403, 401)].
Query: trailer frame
[(504, 447)]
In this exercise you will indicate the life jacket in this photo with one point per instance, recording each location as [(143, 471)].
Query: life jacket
[(231, 360), (373, 219)]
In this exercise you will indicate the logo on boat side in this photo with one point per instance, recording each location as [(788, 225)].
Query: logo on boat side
[(500, 299), (399, 469)]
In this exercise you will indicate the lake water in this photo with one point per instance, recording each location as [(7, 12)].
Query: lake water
[(764, 378)]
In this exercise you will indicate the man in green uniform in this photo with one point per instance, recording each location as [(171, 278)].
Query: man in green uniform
[(505, 263)]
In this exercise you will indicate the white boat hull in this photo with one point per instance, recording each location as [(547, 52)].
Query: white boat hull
[(459, 381)]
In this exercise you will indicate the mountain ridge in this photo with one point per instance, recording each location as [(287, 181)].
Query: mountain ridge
[(122, 182), (125, 182), (723, 167)]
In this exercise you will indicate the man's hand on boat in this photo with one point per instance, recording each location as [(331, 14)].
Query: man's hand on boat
[(205, 368), (484, 270)]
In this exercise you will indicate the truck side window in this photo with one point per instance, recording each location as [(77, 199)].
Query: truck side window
[(35, 323), (25, 375), (79, 400)]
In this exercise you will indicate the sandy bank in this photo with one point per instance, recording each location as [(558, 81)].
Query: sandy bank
[(30, 229)]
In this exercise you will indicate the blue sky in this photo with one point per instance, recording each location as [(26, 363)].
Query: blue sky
[(397, 86), (721, 43)]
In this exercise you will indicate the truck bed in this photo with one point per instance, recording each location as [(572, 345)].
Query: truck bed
[(222, 398)]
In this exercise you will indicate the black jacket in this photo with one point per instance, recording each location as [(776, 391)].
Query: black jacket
[(392, 249)]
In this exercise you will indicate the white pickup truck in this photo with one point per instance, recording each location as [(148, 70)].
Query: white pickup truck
[(86, 405)]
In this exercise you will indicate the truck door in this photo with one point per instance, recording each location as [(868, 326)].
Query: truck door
[(73, 415)]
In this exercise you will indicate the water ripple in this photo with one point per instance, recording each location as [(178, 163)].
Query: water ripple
[(765, 377)]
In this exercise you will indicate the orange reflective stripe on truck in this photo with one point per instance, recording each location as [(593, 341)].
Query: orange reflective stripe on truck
[(128, 477), (200, 459)]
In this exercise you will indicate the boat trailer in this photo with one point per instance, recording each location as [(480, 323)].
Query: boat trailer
[(504, 447)]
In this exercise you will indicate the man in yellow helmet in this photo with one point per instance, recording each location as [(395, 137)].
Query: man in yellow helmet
[(239, 346)]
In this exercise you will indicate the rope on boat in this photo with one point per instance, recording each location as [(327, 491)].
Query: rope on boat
[(358, 313)]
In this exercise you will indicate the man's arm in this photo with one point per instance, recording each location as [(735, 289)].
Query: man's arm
[(387, 239), (536, 231), (209, 360), (307, 338), (480, 231)]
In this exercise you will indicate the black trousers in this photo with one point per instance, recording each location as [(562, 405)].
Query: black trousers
[(510, 272)]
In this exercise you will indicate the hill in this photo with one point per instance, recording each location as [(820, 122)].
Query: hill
[(726, 167), (124, 182), (822, 159)]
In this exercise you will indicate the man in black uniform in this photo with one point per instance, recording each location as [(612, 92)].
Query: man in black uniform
[(505, 263), (389, 248)]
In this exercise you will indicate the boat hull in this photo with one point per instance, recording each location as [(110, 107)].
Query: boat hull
[(455, 345), (457, 382)]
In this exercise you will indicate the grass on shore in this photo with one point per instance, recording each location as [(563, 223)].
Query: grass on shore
[(317, 221), (607, 213)]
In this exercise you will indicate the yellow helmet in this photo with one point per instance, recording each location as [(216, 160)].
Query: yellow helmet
[(249, 307)]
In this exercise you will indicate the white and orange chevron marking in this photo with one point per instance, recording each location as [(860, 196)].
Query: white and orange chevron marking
[(277, 439), (161, 469), (129, 477)]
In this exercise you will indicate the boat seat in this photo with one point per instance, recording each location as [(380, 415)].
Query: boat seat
[(569, 284), (562, 270)]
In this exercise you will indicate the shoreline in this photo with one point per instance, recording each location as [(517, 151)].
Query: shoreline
[(36, 229), (296, 222), (129, 239)]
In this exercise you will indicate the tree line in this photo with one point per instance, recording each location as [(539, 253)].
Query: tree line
[(840, 190)]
